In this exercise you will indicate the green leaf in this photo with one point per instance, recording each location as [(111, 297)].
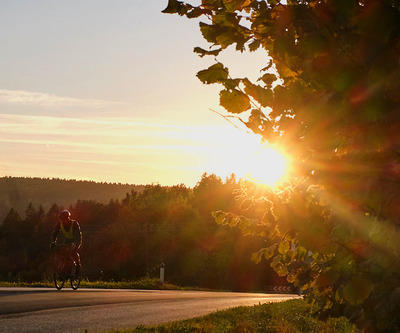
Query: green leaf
[(195, 12), (226, 19), (357, 290), (173, 7), (283, 247), (232, 5), (278, 265), (201, 52), (327, 278), (209, 32), (234, 220), (284, 70), (256, 257), (269, 251), (213, 74), (254, 45), (231, 83), (256, 121), (260, 94), (226, 38), (234, 101), (268, 79), (210, 4), (224, 218), (219, 216)]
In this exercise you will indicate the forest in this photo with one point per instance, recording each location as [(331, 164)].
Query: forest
[(129, 237), (18, 192)]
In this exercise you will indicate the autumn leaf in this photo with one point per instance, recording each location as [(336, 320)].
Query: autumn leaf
[(232, 5), (268, 79), (226, 38), (209, 32), (234, 101), (262, 95), (215, 73), (226, 19), (201, 52), (254, 45), (173, 7)]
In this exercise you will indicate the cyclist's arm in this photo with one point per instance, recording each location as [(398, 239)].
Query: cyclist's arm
[(77, 234)]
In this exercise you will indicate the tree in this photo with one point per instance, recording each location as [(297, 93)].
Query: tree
[(9, 230), (329, 94)]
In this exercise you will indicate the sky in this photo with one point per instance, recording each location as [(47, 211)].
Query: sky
[(107, 91)]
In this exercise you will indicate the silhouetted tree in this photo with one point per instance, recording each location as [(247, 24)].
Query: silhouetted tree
[(328, 94)]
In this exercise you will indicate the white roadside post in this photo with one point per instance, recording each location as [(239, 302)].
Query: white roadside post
[(162, 268)]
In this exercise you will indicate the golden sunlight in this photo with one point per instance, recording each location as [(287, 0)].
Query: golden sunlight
[(248, 158), (266, 166)]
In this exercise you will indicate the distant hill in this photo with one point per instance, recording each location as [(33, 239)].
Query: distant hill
[(18, 192)]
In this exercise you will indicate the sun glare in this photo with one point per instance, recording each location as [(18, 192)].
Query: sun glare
[(248, 158), (265, 165)]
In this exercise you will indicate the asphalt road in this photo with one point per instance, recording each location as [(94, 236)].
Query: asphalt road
[(48, 310)]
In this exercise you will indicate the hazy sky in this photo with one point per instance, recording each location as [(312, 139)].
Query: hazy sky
[(107, 90)]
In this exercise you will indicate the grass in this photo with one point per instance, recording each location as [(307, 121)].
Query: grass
[(145, 283), (283, 317)]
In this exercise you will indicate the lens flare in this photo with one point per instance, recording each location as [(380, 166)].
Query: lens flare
[(249, 158), (268, 166)]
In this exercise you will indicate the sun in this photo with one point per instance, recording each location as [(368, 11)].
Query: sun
[(266, 165), (245, 155)]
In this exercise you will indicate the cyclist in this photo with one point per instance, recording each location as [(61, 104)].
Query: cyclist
[(68, 232)]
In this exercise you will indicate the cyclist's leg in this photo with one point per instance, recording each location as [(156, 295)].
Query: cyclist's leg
[(77, 259), (76, 275)]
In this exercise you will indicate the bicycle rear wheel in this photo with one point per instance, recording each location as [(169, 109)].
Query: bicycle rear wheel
[(59, 279), (75, 278)]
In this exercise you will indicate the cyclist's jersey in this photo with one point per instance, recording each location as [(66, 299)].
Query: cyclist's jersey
[(67, 234)]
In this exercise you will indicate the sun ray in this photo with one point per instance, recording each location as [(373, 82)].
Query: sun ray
[(251, 159), (269, 166)]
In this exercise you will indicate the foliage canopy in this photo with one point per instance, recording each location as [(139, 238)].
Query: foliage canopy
[(329, 92), (128, 239)]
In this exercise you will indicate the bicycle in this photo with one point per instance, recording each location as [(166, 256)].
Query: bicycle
[(65, 268)]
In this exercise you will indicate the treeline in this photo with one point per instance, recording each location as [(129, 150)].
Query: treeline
[(18, 192), (130, 238)]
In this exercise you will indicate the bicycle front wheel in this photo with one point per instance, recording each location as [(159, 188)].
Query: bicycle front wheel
[(75, 278), (59, 279)]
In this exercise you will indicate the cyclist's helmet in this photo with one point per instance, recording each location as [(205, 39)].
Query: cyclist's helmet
[(64, 215)]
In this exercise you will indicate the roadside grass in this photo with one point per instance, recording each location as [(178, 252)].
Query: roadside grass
[(283, 317), (145, 283)]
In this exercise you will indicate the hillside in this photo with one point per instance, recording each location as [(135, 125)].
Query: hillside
[(18, 192)]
